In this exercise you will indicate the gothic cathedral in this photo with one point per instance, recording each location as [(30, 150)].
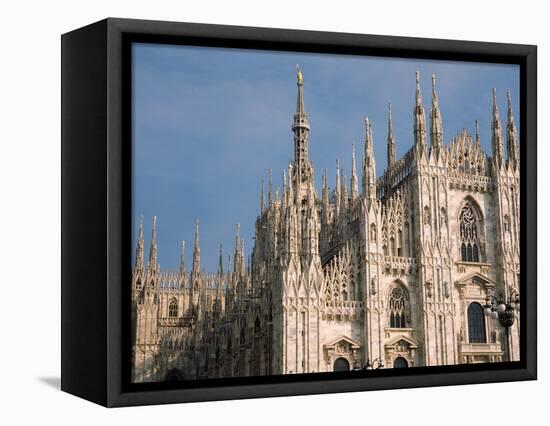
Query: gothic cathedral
[(394, 271)]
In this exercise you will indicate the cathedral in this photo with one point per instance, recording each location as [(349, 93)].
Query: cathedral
[(378, 272)]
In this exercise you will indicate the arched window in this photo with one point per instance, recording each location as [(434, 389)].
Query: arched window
[(469, 234), (476, 324), (400, 362), (341, 364), (173, 308), (398, 306), (242, 339)]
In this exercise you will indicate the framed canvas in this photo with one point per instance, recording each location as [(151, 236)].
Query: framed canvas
[(253, 212)]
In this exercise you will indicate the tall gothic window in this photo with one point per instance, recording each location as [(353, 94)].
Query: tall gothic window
[(173, 309), (476, 324), (398, 307), (469, 234)]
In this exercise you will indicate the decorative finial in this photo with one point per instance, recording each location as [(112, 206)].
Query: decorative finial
[(417, 79), (433, 82), (299, 75), (509, 97), (141, 228), (495, 104)]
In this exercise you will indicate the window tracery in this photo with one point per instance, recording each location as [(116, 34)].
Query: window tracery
[(469, 234), (398, 307), (173, 309)]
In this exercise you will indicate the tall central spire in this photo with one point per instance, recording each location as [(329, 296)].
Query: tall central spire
[(300, 127)]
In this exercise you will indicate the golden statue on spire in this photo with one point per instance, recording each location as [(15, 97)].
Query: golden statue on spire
[(299, 75)]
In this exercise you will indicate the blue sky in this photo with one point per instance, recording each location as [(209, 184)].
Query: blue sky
[(209, 123)]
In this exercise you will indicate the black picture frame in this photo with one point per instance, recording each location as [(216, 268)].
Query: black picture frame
[(96, 83)]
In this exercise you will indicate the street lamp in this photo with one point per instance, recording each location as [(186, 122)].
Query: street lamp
[(502, 309), (505, 311)]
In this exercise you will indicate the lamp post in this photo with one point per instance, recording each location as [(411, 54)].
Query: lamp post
[(503, 309)]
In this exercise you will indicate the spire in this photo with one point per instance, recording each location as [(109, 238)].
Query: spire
[(237, 256), (326, 202), (262, 202), (391, 141), (354, 182), (290, 195), (511, 135), (140, 246), (270, 200), (182, 259), (344, 202), (369, 164), (242, 258), (478, 140), (337, 191), (153, 261), (498, 149), (436, 125), (283, 193), (419, 118), (300, 109), (300, 127), (196, 251), (220, 262)]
